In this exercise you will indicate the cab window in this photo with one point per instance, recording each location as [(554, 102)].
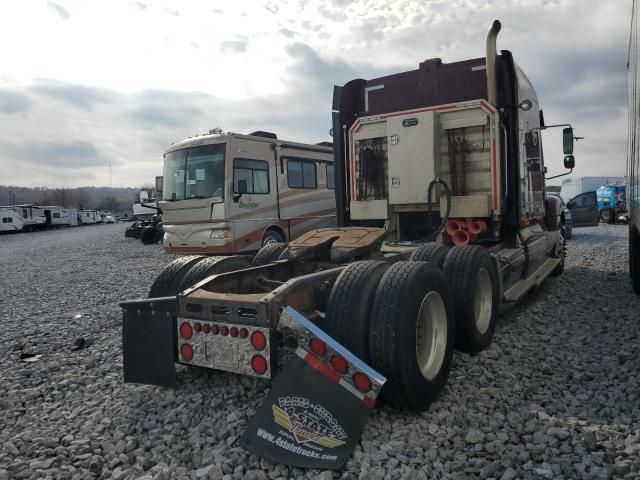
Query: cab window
[(254, 174)]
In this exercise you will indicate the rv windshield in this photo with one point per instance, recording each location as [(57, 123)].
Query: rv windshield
[(196, 172)]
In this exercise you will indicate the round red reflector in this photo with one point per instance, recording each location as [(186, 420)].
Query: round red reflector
[(185, 330), (339, 364), (259, 364), (362, 382), (224, 331), (197, 327), (215, 329), (244, 333), (206, 328), (233, 331), (258, 341), (318, 347), (186, 351)]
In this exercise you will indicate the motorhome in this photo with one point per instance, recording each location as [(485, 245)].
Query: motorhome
[(10, 221), (226, 193)]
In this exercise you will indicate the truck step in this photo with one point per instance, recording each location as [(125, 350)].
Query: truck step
[(520, 288)]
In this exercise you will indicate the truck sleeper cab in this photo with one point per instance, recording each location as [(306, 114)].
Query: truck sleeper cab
[(231, 193)]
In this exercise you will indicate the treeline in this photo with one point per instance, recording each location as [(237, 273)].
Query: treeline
[(104, 198)]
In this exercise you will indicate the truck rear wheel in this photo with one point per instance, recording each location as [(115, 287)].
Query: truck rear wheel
[(412, 334), (606, 215), (269, 254), (473, 279), (430, 252), (348, 312), (150, 235), (634, 257), (208, 266), (169, 280)]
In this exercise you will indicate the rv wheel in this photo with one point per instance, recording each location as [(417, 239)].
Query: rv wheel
[(269, 254), (473, 279), (272, 236), (412, 334), (169, 280), (349, 306), (212, 266), (430, 252)]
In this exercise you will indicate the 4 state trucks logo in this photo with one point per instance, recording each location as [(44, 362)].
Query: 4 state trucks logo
[(308, 422)]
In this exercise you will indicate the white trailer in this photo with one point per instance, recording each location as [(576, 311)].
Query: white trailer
[(60, 216), (32, 216), (575, 186), (89, 217), (10, 221)]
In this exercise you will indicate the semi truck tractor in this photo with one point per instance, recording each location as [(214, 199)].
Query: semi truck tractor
[(633, 150), (443, 223)]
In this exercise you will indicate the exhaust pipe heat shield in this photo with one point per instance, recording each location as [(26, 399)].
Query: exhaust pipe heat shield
[(314, 414)]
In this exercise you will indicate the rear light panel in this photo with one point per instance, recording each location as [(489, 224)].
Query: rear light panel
[(242, 349)]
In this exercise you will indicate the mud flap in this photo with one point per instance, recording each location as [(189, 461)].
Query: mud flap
[(149, 341), (313, 416)]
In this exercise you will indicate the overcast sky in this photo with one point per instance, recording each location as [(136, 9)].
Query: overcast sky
[(88, 83)]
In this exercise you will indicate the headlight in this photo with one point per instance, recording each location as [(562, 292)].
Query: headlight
[(220, 234)]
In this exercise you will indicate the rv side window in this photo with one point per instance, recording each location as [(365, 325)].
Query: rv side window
[(56, 215), (302, 174), (7, 220), (255, 174), (331, 185)]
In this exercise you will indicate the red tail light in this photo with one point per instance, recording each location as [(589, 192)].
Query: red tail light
[(259, 364), (224, 331), (339, 364), (206, 328), (318, 347), (215, 329), (233, 331), (362, 382), (185, 330), (244, 333), (258, 341), (186, 351), (197, 327)]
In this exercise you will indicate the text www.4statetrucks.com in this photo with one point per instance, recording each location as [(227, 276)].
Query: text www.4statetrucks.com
[(291, 447)]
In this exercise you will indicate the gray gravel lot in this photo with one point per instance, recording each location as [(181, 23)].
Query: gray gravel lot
[(556, 396)]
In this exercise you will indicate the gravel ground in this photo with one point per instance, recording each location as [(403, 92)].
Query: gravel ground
[(556, 396)]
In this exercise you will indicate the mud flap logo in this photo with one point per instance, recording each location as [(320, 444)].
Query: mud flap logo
[(308, 422)]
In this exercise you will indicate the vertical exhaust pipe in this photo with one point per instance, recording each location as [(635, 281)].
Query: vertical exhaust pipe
[(492, 53)]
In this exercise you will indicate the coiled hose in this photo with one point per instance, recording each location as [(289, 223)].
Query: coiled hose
[(432, 236)]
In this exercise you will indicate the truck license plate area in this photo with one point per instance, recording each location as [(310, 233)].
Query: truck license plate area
[(236, 348), (222, 354)]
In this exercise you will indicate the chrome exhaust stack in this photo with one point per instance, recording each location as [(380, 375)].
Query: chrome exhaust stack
[(491, 54)]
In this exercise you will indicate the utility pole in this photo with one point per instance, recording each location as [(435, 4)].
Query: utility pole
[(110, 173)]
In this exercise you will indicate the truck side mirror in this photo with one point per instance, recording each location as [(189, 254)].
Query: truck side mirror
[(567, 141), (569, 162), (571, 204)]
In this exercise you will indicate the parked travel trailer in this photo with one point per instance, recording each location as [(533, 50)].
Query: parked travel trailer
[(88, 217), (10, 221), (32, 216), (633, 154), (60, 216), (226, 193)]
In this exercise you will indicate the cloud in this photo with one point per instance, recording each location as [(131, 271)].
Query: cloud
[(140, 5), (78, 95), (239, 45), (75, 153), (60, 10), (285, 32), (172, 11), (158, 115), (271, 7), (13, 102)]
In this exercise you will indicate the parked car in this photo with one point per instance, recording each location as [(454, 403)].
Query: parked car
[(584, 210)]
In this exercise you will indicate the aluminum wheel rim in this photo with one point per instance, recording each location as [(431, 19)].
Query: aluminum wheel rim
[(431, 335), (483, 301)]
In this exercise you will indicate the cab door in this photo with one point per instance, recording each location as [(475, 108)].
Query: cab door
[(253, 202), (584, 210)]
